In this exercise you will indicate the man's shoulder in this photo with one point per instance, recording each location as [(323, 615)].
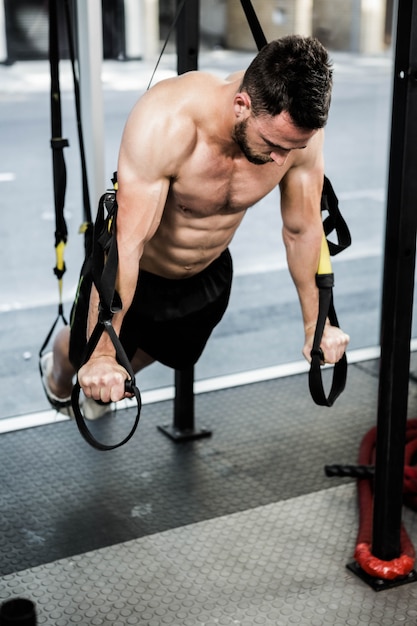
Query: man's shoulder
[(185, 85), (170, 119), (188, 102), (173, 103)]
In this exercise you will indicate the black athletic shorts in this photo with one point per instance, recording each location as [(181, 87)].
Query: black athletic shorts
[(171, 320)]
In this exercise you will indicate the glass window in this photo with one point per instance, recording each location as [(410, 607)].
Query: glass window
[(262, 327)]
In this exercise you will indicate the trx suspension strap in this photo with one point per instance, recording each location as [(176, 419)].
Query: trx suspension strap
[(58, 143), (324, 276), (104, 247), (103, 265), (254, 25), (325, 283), (58, 164)]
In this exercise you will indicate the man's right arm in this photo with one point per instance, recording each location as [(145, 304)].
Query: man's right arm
[(145, 169), (102, 377)]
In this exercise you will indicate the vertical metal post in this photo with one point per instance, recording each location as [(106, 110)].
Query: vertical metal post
[(398, 286), (3, 34), (184, 399), (90, 52), (183, 428), (188, 36), (188, 41)]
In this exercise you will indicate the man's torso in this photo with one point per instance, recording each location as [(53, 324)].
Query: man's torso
[(209, 194)]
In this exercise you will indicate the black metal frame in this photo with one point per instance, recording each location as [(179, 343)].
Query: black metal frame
[(398, 289), (188, 43), (183, 427), (397, 300)]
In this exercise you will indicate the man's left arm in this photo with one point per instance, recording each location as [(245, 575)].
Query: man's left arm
[(301, 190)]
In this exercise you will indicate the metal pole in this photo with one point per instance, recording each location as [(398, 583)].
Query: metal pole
[(184, 399), (188, 36), (90, 50), (142, 29), (134, 28), (398, 285), (188, 30), (3, 34)]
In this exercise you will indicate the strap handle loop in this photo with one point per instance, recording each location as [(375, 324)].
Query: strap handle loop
[(104, 270), (334, 222), (315, 378), (105, 325)]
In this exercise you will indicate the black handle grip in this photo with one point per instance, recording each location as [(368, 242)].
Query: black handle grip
[(130, 387)]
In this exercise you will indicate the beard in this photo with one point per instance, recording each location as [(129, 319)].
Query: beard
[(240, 136)]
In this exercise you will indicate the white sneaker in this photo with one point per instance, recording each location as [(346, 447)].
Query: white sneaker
[(62, 405)]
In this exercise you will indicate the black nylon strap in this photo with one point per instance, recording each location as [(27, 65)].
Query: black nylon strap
[(105, 325), (57, 142), (104, 270), (59, 172), (254, 25), (334, 222), (315, 378), (104, 250), (105, 255)]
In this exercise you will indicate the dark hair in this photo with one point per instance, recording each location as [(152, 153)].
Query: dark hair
[(291, 74)]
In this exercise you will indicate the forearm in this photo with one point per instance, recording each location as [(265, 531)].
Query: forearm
[(303, 257), (102, 377), (127, 276), (303, 253)]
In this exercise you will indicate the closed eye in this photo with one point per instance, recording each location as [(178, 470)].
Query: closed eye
[(274, 146)]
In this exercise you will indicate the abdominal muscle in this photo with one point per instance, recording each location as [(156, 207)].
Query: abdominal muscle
[(187, 241)]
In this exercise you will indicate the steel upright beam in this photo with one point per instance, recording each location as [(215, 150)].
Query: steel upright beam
[(188, 36), (4, 58), (188, 42), (90, 51), (398, 287)]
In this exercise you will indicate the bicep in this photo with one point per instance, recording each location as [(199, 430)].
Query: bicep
[(141, 202), (154, 146), (301, 190), (300, 201)]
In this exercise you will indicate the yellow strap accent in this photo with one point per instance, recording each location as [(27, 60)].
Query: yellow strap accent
[(325, 264), (60, 264), (59, 250)]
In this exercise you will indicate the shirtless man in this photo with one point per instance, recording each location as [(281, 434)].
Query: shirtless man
[(196, 153)]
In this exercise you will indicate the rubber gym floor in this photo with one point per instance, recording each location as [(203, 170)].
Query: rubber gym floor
[(242, 527)]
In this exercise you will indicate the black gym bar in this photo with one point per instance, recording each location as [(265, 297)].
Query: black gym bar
[(188, 44), (398, 289), (188, 36)]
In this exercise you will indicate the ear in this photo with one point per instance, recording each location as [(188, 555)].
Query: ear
[(242, 104)]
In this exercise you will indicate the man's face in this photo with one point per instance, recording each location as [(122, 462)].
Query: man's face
[(240, 136), (265, 139)]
